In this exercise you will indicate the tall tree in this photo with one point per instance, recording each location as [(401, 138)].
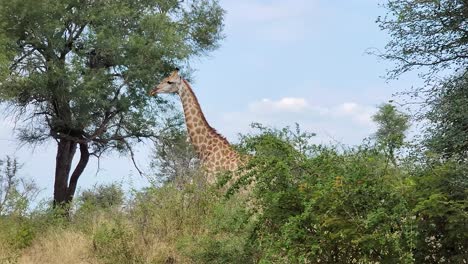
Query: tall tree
[(447, 133), (432, 37), (392, 125), (79, 71), (426, 34)]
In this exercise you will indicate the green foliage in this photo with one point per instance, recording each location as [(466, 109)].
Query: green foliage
[(440, 202), (327, 206), (292, 140), (392, 126), (102, 197), (170, 212), (195, 221), (114, 243), (24, 235), (85, 67), (174, 158), (305, 204), (317, 204), (430, 34), (447, 133), (17, 232), (226, 239), (96, 202), (80, 71), (16, 192)]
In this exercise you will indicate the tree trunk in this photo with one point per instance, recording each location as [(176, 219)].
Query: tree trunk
[(63, 161), (63, 189), (84, 158)]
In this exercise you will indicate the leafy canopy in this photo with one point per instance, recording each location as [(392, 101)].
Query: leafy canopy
[(392, 125), (81, 69), (429, 34), (448, 132)]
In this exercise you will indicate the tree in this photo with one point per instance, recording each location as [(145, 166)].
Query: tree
[(429, 34), (175, 159), (448, 131), (392, 125), (433, 35), (79, 71)]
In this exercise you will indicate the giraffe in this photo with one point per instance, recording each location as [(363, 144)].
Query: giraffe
[(214, 151)]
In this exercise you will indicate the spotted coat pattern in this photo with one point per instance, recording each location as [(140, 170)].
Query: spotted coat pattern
[(214, 151)]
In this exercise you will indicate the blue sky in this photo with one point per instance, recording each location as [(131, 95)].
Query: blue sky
[(281, 62)]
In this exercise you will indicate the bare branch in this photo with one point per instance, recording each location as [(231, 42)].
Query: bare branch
[(132, 155)]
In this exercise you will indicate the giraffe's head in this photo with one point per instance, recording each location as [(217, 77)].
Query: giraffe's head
[(169, 84)]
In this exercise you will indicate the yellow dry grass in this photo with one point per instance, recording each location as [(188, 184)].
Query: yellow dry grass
[(58, 247), (161, 252), (7, 254)]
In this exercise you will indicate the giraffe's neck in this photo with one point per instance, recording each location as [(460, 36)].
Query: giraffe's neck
[(204, 138)]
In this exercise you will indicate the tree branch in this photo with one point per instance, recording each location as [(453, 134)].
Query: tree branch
[(132, 155)]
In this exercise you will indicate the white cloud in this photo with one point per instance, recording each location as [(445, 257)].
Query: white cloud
[(285, 104), (359, 113), (347, 122), (348, 107)]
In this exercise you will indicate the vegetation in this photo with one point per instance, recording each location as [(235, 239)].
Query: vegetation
[(432, 37), (310, 203), (383, 201), (392, 126), (174, 157), (16, 193), (79, 71), (447, 133), (426, 35)]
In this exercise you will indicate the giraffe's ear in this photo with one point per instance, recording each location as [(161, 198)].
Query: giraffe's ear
[(177, 69)]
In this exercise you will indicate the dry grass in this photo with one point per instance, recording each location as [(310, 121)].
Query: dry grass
[(156, 245), (58, 247), (74, 247), (7, 254), (159, 228), (162, 252)]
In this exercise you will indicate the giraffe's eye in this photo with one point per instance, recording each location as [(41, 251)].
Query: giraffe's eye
[(169, 82)]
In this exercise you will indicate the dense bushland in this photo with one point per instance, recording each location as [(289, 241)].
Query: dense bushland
[(308, 204)]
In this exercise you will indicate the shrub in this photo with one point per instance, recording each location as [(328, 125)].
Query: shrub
[(16, 192), (318, 204), (440, 204), (114, 242), (102, 196), (300, 203), (225, 239), (167, 215)]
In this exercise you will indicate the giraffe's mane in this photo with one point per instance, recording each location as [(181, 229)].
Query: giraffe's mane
[(197, 104)]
